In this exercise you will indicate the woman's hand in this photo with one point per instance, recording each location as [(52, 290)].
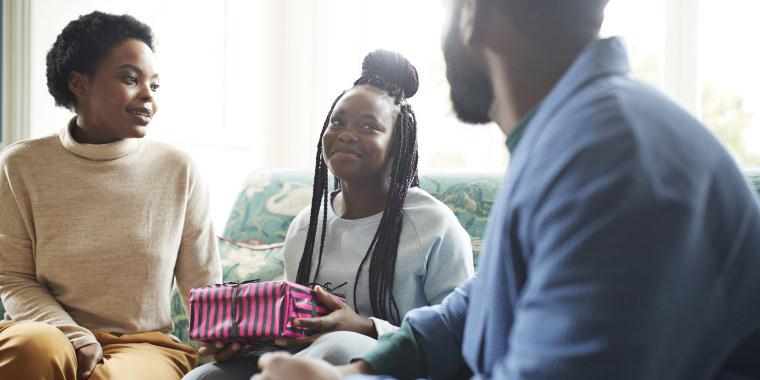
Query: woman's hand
[(87, 357), (342, 318), (280, 365), (297, 344), (223, 351)]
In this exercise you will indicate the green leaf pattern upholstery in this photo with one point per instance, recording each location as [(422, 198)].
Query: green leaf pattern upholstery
[(251, 245), (270, 199)]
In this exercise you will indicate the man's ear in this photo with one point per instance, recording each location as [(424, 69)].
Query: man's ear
[(472, 21), (78, 83)]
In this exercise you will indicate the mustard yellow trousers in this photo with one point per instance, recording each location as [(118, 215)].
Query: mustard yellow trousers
[(36, 350)]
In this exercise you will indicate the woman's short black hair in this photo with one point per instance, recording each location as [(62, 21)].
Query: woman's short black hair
[(83, 44)]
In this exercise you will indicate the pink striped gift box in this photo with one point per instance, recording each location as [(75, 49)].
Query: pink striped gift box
[(251, 311)]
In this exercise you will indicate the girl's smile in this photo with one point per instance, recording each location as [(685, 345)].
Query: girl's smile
[(357, 142)]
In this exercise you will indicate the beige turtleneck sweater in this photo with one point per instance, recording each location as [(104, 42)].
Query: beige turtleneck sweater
[(94, 235)]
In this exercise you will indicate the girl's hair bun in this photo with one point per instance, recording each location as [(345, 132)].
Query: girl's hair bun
[(393, 68)]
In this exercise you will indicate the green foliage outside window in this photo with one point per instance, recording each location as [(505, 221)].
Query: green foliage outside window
[(723, 111)]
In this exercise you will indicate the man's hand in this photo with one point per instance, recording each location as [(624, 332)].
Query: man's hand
[(87, 357), (223, 352), (279, 365)]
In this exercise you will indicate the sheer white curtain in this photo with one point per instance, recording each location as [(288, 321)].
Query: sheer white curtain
[(702, 54), (247, 84)]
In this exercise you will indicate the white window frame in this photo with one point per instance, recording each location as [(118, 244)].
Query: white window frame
[(15, 73), (680, 57)]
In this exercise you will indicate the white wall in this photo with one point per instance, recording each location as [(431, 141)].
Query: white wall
[(247, 84)]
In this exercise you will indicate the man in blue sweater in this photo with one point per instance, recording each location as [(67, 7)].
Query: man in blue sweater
[(625, 243)]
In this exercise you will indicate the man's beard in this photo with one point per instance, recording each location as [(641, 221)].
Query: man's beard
[(471, 91)]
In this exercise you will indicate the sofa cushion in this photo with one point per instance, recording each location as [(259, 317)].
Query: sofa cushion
[(270, 199), (266, 204), (243, 262)]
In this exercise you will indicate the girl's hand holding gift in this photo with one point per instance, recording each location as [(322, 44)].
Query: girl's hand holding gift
[(342, 318)]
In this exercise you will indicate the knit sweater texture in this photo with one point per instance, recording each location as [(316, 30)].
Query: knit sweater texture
[(94, 236), (434, 255)]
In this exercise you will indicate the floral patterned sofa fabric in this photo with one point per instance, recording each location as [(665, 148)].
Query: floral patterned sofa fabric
[(251, 243), (269, 200), (266, 204), (753, 176)]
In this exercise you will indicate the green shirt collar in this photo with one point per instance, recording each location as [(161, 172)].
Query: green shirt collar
[(514, 136)]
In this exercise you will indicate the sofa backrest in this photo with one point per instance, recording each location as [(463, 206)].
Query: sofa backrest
[(270, 199)]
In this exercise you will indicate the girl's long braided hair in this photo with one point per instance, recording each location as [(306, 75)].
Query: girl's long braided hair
[(394, 74)]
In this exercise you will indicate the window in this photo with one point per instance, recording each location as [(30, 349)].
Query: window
[(730, 75), (247, 84), (700, 53), (1, 64), (413, 28)]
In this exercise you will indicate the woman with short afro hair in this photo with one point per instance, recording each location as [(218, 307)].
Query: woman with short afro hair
[(98, 224)]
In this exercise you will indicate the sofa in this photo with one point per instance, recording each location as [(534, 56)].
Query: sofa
[(250, 245)]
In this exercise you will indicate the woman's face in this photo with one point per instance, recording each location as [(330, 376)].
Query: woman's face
[(357, 141), (119, 101)]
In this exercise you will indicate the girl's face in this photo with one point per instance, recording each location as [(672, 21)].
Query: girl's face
[(357, 141), (119, 101)]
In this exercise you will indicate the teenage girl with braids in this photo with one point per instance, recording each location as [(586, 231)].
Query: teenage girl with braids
[(395, 246)]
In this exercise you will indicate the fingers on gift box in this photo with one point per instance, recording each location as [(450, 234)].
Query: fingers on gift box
[(252, 311)]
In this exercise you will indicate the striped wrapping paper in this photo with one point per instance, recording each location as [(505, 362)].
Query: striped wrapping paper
[(251, 311)]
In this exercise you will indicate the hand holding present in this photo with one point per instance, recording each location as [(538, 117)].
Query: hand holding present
[(342, 318)]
